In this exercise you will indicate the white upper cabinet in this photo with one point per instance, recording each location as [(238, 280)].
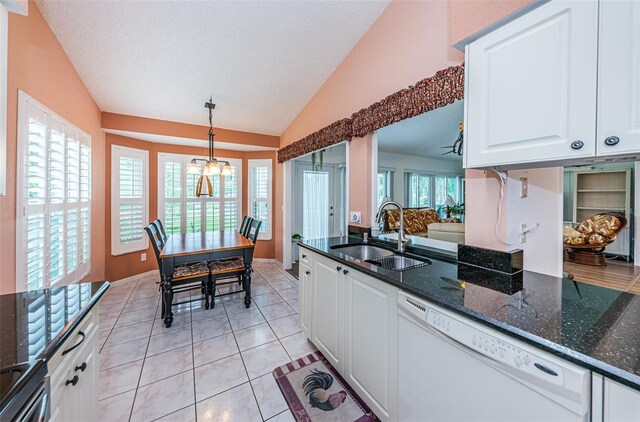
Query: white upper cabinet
[(531, 88), (619, 78)]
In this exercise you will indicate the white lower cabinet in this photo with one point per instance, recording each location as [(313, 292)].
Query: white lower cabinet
[(355, 326), (306, 287), (74, 375), (371, 335), (327, 309), (614, 402)]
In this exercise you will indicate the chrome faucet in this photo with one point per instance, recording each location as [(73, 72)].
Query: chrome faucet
[(402, 241)]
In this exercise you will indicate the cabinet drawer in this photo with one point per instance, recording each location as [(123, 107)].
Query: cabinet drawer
[(60, 361), (306, 257)]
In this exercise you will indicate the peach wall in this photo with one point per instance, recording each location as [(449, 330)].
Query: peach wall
[(360, 183), (408, 42), (470, 16), (38, 65), (482, 193), (126, 265), (184, 130)]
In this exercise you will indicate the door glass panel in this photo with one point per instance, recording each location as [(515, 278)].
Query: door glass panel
[(315, 204)]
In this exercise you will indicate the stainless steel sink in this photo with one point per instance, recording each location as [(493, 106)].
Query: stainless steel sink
[(399, 262), (363, 252), (381, 257)]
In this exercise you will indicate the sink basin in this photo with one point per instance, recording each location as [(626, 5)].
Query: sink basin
[(398, 262), (363, 252)]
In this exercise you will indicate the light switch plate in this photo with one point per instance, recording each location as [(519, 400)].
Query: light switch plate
[(355, 216)]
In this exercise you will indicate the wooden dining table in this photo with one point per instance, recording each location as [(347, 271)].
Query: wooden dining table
[(202, 247)]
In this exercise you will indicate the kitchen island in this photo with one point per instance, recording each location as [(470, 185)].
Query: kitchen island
[(592, 327), (48, 351)]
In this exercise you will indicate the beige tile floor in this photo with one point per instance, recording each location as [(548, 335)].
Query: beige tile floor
[(211, 365)]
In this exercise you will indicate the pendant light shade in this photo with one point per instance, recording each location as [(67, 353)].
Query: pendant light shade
[(193, 167), (204, 187), (211, 168), (226, 170)]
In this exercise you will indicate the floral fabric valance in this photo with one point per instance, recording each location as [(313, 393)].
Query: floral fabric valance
[(330, 135), (445, 87)]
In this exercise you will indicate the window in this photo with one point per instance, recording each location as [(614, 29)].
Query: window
[(431, 190), (54, 198), (260, 195), (419, 190), (129, 199), (385, 185), (179, 208)]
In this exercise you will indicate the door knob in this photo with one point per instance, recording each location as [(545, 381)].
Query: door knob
[(577, 144), (611, 141)]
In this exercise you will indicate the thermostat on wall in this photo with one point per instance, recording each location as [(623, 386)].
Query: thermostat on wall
[(355, 216)]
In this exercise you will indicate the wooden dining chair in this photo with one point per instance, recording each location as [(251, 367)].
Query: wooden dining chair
[(189, 276), (232, 267)]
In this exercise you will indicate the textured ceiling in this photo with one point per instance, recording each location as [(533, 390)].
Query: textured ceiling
[(426, 134), (261, 61)]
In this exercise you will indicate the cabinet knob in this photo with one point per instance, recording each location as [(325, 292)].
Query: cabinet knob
[(577, 144), (304, 255), (73, 381), (307, 272), (338, 268), (345, 272), (611, 141), (82, 367)]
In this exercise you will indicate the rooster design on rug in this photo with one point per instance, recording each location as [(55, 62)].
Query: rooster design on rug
[(316, 386)]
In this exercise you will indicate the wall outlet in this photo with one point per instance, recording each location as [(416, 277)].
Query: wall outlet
[(523, 231), (355, 216), (143, 257)]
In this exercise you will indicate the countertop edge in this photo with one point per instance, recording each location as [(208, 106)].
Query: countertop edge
[(63, 335), (588, 362)]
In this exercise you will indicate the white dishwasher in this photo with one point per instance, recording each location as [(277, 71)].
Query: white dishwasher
[(453, 369)]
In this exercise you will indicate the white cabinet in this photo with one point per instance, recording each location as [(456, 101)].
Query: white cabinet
[(306, 287), (614, 402), (371, 348), (355, 326), (74, 374), (327, 309), (530, 92), (619, 78)]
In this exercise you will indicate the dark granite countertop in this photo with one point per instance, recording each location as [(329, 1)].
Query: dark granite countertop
[(34, 324), (595, 327)]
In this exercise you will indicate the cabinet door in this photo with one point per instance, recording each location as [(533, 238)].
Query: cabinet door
[(531, 88), (371, 351), (328, 312), (621, 403), (619, 78), (304, 299)]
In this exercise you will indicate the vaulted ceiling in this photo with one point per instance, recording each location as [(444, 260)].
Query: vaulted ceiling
[(261, 61)]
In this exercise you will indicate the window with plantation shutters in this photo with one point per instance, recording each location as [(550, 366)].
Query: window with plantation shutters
[(54, 198), (260, 195), (129, 199), (179, 208)]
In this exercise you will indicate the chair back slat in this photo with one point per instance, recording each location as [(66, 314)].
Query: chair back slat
[(254, 230), (161, 239), (244, 225), (154, 236), (163, 233)]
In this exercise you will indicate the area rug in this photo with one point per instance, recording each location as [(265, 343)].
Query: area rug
[(315, 392)]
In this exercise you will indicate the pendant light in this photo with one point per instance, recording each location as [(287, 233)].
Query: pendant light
[(212, 166)]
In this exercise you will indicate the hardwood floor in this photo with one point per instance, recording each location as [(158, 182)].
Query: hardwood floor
[(618, 275)]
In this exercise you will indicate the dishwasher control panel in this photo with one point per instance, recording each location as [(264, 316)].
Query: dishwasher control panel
[(494, 347)]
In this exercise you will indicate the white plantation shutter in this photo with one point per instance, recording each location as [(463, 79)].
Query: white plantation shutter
[(260, 195), (179, 208), (129, 199), (53, 204)]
